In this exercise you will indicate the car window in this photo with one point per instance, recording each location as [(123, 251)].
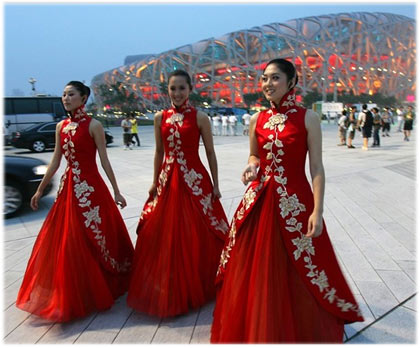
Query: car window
[(48, 127)]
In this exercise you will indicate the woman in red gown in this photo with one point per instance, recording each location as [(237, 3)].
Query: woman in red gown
[(278, 275), (81, 259), (182, 227)]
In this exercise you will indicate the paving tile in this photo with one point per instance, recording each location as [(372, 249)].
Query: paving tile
[(29, 331), (377, 296), (10, 293), (411, 304), (353, 328), (66, 333), (202, 328), (139, 328), (13, 318), (176, 330), (397, 327), (399, 283)]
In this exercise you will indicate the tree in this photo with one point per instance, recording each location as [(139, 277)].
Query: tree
[(118, 97), (198, 100)]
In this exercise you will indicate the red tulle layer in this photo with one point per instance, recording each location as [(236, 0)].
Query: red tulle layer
[(176, 256), (262, 298), (65, 278)]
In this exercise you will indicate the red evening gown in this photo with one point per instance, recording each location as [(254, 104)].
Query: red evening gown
[(82, 256), (181, 231), (275, 284)]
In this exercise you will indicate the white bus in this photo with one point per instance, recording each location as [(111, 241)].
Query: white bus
[(22, 112)]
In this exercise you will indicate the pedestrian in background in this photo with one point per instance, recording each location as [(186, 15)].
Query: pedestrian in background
[(233, 121), (400, 119), (366, 124), (377, 123), (126, 127), (352, 127), (246, 118), (343, 124), (386, 122), (216, 124), (134, 131), (225, 122), (409, 117)]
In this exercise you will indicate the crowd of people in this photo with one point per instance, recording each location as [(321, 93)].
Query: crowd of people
[(227, 123), (372, 122)]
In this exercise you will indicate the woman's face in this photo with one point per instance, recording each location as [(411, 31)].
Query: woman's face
[(178, 90), (274, 83), (72, 99)]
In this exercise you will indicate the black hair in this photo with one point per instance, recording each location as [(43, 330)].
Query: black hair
[(354, 107), (82, 88), (376, 109), (344, 112), (181, 73), (286, 67), (364, 107)]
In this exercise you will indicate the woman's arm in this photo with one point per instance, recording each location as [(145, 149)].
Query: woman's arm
[(97, 133), (159, 151), (250, 171), (314, 140), (205, 131), (52, 168)]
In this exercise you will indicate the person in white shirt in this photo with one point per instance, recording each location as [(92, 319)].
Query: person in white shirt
[(225, 120), (246, 117), (126, 126), (216, 124), (400, 119), (233, 121)]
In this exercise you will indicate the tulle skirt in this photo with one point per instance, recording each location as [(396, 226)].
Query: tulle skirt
[(262, 298), (65, 278), (176, 256)]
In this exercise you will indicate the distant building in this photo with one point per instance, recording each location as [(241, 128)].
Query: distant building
[(355, 53)]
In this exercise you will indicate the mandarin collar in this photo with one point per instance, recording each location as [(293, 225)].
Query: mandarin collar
[(287, 101)]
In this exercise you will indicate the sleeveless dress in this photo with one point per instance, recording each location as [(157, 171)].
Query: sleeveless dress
[(82, 256), (276, 285), (181, 231)]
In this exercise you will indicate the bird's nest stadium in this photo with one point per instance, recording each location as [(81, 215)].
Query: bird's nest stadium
[(354, 53)]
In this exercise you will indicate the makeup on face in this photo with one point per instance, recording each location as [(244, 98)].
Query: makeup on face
[(178, 90)]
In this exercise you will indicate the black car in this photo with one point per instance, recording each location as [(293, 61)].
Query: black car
[(41, 136), (22, 177)]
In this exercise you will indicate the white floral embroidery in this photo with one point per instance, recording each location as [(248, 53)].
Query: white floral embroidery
[(92, 216), (82, 191), (276, 121), (191, 177), (303, 244), (290, 101), (81, 188)]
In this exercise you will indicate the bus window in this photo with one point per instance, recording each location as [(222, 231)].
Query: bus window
[(45, 106), (8, 107), (59, 111), (25, 106)]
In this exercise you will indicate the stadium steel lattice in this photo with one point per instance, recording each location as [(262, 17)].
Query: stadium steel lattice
[(339, 53)]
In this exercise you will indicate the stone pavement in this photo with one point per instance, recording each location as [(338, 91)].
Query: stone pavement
[(370, 215)]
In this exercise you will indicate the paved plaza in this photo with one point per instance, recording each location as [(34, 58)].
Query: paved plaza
[(369, 212)]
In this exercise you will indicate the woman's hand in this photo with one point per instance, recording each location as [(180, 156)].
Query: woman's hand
[(153, 190), (249, 173), (216, 193), (120, 200), (314, 225), (35, 199)]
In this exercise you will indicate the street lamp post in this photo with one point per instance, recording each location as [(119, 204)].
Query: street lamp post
[(32, 82)]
